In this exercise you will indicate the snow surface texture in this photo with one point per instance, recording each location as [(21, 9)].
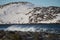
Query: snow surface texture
[(31, 29), (25, 12)]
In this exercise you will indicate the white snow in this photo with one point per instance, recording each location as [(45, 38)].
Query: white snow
[(16, 14)]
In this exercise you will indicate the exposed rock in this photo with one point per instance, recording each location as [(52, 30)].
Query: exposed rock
[(25, 12), (44, 14)]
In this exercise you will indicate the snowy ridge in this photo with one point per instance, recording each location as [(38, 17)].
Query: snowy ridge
[(15, 13), (25, 12)]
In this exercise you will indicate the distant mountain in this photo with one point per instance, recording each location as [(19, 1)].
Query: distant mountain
[(25, 12)]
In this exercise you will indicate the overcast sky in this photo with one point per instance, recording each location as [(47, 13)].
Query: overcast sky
[(36, 2)]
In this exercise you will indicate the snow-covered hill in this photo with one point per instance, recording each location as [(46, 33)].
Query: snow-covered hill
[(25, 12)]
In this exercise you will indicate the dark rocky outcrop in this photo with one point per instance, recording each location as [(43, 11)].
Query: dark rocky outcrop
[(44, 14)]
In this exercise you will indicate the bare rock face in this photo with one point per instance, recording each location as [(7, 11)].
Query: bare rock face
[(25, 12)]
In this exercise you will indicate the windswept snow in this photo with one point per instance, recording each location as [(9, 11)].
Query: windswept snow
[(15, 13), (21, 13)]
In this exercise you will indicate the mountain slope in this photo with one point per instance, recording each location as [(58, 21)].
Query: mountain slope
[(25, 12), (15, 13), (45, 15)]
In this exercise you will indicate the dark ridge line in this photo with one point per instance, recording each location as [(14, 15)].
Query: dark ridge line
[(34, 24), (1, 6)]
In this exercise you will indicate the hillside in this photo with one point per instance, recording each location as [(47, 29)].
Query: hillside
[(27, 13)]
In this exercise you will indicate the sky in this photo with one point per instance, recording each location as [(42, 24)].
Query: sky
[(36, 2)]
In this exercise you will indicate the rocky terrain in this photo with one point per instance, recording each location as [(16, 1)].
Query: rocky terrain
[(27, 13), (45, 15), (19, 35)]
